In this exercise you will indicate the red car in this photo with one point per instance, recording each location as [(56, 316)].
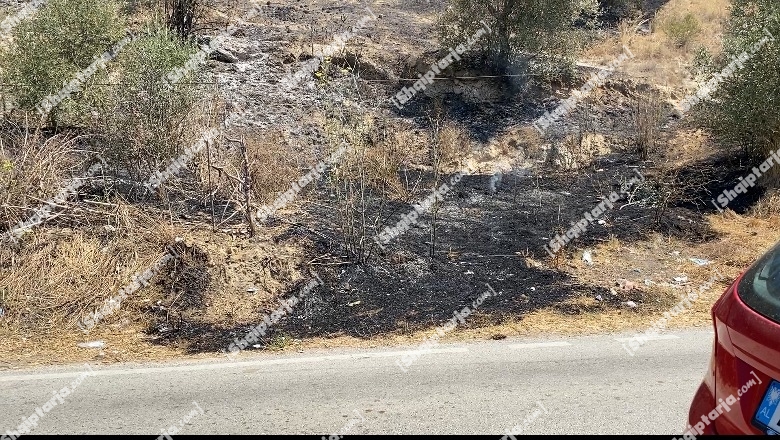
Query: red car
[(741, 391)]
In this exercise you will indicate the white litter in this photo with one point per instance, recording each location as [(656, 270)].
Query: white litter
[(700, 261), (681, 280), (630, 304), (587, 258), (92, 344)]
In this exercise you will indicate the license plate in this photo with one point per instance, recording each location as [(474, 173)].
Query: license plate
[(768, 415)]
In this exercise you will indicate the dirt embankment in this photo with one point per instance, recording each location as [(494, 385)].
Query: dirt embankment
[(490, 229)]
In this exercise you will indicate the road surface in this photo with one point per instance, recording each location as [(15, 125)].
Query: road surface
[(582, 385)]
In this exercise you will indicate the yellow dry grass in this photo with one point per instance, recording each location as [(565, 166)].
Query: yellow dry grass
[(658, 61), (61, 274)]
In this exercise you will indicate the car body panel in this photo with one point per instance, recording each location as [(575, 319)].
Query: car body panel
[(745, 360)]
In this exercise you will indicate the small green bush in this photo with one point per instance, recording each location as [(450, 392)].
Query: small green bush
[(681, 31), (146, 120), (63, 38)]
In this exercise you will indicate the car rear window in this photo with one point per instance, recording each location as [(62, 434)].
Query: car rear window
[(760, 287)]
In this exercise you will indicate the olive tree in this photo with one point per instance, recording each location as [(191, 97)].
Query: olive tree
[(745, 111), (542, 27)]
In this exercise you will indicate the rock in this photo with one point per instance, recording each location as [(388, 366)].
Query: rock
[(630, 304), (92, 344), (109, 228), (626, 285), (223, 56)]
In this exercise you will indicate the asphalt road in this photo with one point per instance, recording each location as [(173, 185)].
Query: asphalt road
[(583, 385)]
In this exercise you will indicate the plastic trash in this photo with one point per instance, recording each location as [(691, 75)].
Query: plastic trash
[(587, 258)]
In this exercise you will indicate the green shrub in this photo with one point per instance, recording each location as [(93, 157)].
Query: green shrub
[(681, 31), (63, 38), (745, 111), (703, 62), (517, 27), (146, 120)]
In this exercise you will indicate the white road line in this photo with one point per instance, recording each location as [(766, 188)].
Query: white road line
[(237, 364), (541, 345), (649, 338)]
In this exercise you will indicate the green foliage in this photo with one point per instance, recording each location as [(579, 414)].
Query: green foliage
[(551, 69), (146, 120), (703, 62), (746, 107), (518, 26), (681, 30), (60, 40)]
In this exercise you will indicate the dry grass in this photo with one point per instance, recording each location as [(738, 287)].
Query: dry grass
[(33, 168), (768, 207), (274, 164), (659, 259), (60, 275), (658, 59), (379, 153), (648, 115)]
